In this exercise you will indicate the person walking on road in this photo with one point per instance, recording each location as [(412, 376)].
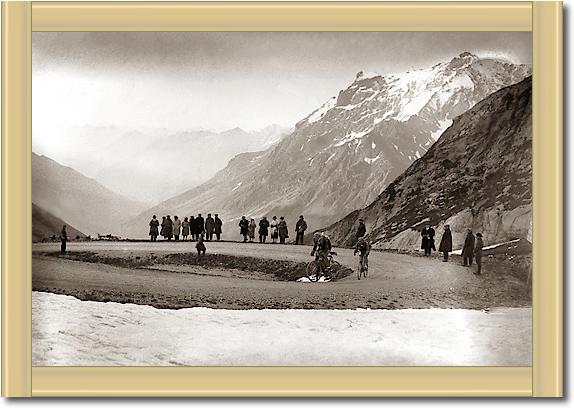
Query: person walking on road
[(209, 227), (218, 226), (63, 239), (468, 248), (300, 228), (153, 228), (176, 227), (478, 253), (244, 228), (251, 230), (283, 230), (428, 239), (445, 245), (200, 246), (263, 230)]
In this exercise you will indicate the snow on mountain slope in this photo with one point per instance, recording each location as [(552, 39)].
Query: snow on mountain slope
[(478, 175), (346, 152)]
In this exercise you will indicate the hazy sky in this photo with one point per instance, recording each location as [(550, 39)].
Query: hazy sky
[(223, 80)]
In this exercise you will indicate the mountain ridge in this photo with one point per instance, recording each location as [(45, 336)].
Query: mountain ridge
[(343, 154)]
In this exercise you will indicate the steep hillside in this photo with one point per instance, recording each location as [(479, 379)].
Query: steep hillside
[(79, 200), (345, 153), (478, 175), (45, 225)]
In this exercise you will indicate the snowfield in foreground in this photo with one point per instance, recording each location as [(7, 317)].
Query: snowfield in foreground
[(67, 331)]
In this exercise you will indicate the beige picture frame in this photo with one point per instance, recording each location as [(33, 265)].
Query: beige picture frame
[(543, 379)]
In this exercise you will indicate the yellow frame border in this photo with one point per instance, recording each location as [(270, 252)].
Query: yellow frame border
[(21, 379)]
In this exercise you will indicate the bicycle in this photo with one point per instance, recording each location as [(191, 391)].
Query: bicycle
[(314, 269), (363, 268)]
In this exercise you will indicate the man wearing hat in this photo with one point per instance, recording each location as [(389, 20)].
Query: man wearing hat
[(361, 229), (300, 228)]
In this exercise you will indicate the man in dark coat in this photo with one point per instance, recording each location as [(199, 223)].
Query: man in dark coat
[(361, 229), (445, 245), (209, 227), (168, 230), (192, 228), (162, 232), (200, 224), (153, 228), (283, 230), (428, 239), (218, 226), (63, 239), (300, 228), (263, 230), (244, 227), (468, 248)]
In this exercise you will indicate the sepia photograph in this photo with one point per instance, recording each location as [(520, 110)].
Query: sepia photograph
[(282, 198)]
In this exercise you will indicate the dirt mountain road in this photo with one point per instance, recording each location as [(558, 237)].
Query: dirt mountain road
[(395, 281)]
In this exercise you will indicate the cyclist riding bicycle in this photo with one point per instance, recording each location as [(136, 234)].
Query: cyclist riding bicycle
[(364, 248), (322, 245)]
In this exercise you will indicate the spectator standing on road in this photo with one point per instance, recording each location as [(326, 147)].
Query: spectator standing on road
[(468, 248), (193, 228), (218, 227), (263, 230), (274, 229), (445, 245), (251, 230), (300, 228), (168, 228), (63, 239), (428, 239), (176, 227), (185, 228), (478, 253), (162, 232), (209, 227), (244, 227), (283, 230), (153, 228), (200, 225)]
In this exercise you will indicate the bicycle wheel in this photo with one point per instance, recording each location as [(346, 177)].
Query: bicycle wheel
[(365, 267), (313, 271), (359, 270)]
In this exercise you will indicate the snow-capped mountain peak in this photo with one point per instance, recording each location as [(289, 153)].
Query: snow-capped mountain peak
[(341, 156)]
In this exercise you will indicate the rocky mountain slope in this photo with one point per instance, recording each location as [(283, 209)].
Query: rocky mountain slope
[(81, 201), (478, 175), (46, 225), (345, 153)]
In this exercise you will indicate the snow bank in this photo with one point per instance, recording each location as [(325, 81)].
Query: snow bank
[(67, 331)]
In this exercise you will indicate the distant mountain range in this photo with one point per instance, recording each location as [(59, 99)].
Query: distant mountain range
[(151, 165), (82, 202), (477, 175), (344, 154), (46, 225)]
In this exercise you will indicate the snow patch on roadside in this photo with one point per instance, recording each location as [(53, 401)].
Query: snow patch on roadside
[(67, 331)]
